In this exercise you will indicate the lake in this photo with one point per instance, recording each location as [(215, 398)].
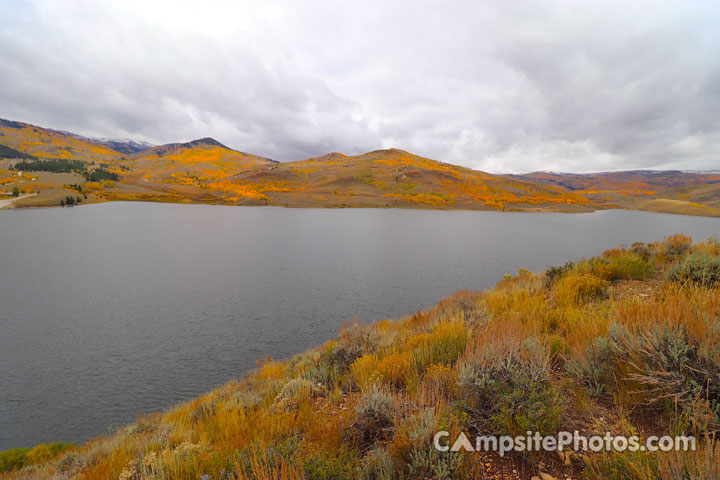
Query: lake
[(113, 309)]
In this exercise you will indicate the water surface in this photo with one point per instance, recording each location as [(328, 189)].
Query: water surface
[(113, 309)]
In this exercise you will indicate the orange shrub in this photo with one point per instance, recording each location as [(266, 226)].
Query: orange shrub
[(395, 367), (579, 288), (364, 370)]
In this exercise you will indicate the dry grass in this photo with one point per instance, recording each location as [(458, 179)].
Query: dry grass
[(607, 343)]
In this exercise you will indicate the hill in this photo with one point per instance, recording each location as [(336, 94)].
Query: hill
[(206, 171), (192, 163), (669, 191), (626, 343), (389, 178), (56, 166), (46, 143)]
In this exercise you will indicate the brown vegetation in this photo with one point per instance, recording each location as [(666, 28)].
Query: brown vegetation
[(628, 342)]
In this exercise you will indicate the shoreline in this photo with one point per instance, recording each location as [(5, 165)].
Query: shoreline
[(10, 205)]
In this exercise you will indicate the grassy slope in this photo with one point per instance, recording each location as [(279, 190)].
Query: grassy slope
[(7, 152), (193, 162), (390, 178), (45, 143), (612, 343), (179, 172)]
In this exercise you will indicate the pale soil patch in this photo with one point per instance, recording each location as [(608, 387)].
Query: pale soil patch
[(8, 203)]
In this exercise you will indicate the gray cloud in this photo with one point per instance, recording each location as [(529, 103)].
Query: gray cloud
[(502, 86)]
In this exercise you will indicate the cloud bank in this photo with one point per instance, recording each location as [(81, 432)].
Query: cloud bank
[(510, 86)]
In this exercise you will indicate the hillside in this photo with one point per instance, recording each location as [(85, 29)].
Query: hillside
[(390, 178), (670, 191), (7, 152), (45, 143), (206, 171), (626, 343), (65, 163), (192, 163)]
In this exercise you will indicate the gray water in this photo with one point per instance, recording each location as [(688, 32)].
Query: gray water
[(114, 309)]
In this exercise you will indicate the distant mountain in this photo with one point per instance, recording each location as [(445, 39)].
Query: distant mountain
[(629, 179), (671, 191), (123, 145)]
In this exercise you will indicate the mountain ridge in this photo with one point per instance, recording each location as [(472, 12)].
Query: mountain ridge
[(204, 170)]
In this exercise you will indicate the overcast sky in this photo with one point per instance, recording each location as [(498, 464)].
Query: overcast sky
[(501, 86)]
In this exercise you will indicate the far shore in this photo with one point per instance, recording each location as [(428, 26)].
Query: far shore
[(7, 204)]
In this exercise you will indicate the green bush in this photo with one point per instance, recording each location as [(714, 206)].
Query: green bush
[(673, 366), (616, 264), (378, 465), (375, 415), (19, 457), (509, 387), (321, 466), (430, 463), (13, 458), (526, 405), (696, 268), (421, 460), (627, 266), (553, 274), (592, 369)]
